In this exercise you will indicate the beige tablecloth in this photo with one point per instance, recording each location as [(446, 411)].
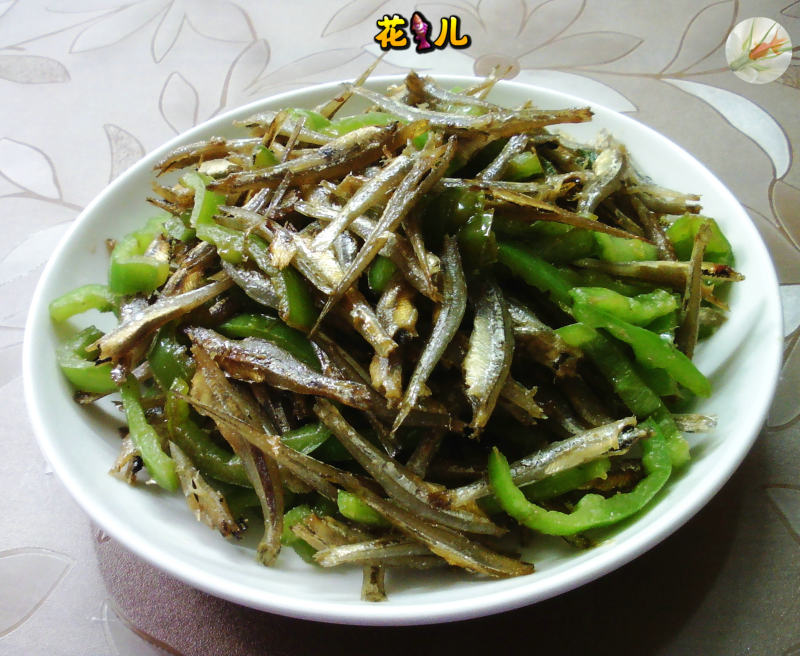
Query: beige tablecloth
[(88, 86)]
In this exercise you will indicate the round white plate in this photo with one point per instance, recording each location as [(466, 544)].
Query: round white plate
[(742, 360)]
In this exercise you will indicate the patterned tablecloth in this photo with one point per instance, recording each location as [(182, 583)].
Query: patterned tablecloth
[(89, 86)]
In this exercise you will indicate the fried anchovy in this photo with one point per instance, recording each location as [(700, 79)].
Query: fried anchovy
[(559, 456), (672, 274), (498, 165), (653, 230), (143, 322), (536, 210), (266, 122), (207, 504), (425, 89), (694, 423), (351, 151), (402, 485), (371, 193), (689, 322), (414, 186), (665, 201), (447, 323), (390, 552), (488, 359), (547, 189), (258, 361), (210, 386), (607, 171), (450, 545), (254, 283), (499, 124), (541, 342), (213, 148)]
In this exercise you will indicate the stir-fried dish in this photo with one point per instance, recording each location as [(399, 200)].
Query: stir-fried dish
[(400, 338)]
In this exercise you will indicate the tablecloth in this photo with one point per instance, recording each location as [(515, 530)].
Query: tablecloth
[(89, 86)]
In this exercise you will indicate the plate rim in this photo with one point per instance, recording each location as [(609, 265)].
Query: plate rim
[(385, 613)]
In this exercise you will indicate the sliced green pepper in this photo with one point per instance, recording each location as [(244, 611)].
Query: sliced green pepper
[(629, 386), (354, 508), (295, 516), (639, 310), (229, 242), (204, 452), (160, 466), (307, 438), (347, 124), (523, 166), (169, 359), (298, 309), (477, 242), (593, 510), (536, 272), (649, 348), (682, 234), (273, 330), (177, 227), (130, 270), (79, 367), (81, 299), (264, 158), (380, 273), (617, 249)]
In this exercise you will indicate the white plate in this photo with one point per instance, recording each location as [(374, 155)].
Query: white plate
[(742, 361)]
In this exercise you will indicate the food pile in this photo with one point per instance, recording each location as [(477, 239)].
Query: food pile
[(336, 331)]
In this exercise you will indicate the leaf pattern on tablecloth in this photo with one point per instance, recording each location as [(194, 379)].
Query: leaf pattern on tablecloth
[(786, 404), (550, 19), (299, 71), (179, 103), (32, 573), (786, 207), (33, 252), (784, 253), (786, 500), (32, 69), (745, 116), (29, 168), (581, 50), (125, 149), (704, 36), (116, 25), (790, 301), (251, 63), (352, 14), (125, 639)]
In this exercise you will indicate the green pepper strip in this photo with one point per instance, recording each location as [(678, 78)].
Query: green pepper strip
[(178, 228), (160, 466), (536, 272), (523, 166), (81, 299), (477, 242), (300, 311), (649, 348), (682, 234), (617, 249), (130, 270), (169, 359), (273, 330), (380, 273), (307, 438), (354, 508), (229, 242), (289, 539), (555, 485), (207, 455), (634, 392), (80, 368), (593, 510), (639, 310)]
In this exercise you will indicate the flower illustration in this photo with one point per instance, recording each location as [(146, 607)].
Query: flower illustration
[(758, 59)]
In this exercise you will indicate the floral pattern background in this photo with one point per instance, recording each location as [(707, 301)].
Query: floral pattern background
[(89, 86)]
